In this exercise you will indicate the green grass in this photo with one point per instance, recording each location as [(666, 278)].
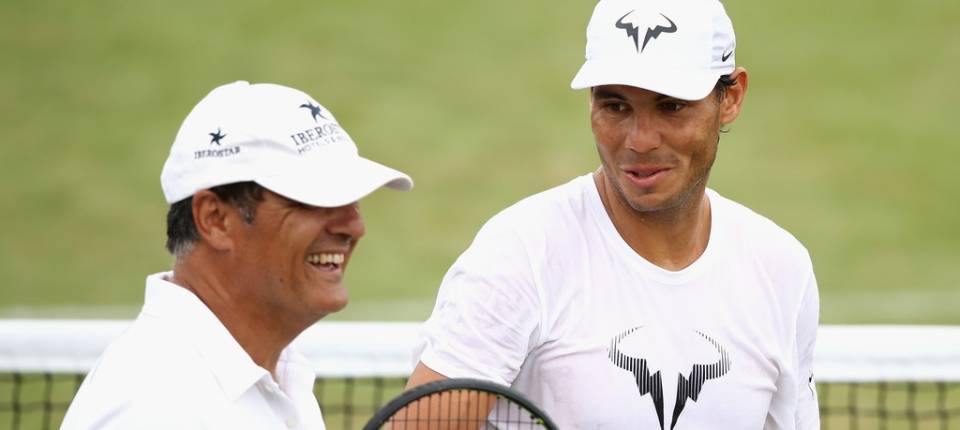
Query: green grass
[(847, 139)]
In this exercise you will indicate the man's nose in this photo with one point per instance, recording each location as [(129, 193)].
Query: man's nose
[(643, 135), (346, 221)]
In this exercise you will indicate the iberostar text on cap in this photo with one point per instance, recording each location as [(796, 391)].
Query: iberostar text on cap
[(278, 137)]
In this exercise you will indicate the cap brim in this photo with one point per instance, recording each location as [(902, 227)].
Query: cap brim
[(335, 184), (687, 85)]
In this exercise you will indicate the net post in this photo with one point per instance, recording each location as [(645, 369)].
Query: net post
[(942, 404), (318, 390), (17, 385), (912, 405), (882, 404), (852, 406), (47, 399), (348, 402), (378, 388), (824, 391)]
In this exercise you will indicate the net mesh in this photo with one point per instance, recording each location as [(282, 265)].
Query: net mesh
[(912, 388), (930, 405), (38, 401)]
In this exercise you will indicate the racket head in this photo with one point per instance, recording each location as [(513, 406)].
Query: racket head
[(459, 404)]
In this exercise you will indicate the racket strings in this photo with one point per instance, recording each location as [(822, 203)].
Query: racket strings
[(463, 409)]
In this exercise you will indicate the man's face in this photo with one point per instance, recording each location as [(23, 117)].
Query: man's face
[(293, 257), (656, 150)]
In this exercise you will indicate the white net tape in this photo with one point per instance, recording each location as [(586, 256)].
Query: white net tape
[(872, 353)]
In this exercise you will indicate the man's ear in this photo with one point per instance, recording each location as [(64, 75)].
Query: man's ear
[(732, 101), (213, 219)]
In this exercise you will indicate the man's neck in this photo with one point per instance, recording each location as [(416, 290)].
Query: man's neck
[(672, 239), (259, 334)]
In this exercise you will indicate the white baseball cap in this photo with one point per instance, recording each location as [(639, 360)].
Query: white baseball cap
[(674, 47), (276, 136)]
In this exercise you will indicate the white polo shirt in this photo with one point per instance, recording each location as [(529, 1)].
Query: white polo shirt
[(178, 367)]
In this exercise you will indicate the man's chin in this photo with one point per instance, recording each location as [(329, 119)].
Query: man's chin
[(327, 307), (660, 202), (647, 201)]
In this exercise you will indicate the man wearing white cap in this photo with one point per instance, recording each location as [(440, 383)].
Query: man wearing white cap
[(263, 185), (634, 297)]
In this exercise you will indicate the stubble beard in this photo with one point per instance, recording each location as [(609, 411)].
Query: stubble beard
[(674, 205)]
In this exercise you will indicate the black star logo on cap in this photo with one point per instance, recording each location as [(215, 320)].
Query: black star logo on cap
[(314, 110), (216, 137)]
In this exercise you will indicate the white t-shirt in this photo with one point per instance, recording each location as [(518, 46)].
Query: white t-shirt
[(550, 300), (177, 367)]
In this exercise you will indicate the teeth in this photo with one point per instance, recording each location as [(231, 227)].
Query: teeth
[(325, 258)]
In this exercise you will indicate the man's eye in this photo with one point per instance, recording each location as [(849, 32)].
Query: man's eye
[(616, 107), (671, 106), (298, 205)]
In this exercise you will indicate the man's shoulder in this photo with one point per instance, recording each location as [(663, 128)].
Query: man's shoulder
[(520, 235), (758, 232), (147, 353), (559, 205), (141, 369)]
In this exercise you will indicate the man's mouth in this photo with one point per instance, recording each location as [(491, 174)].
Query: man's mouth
[(326, 261), (646, 177), (645, 171)]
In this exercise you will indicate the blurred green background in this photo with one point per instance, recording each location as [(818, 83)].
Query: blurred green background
[(848, 137)]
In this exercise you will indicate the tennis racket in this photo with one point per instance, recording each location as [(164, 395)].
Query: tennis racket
[(460, 404)]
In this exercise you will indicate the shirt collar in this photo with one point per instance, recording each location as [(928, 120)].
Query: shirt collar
[(193, 322), (295, 372)]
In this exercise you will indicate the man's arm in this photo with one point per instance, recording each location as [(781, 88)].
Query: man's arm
[(422, 375), (455, 411), (487, 315), (807, 410)]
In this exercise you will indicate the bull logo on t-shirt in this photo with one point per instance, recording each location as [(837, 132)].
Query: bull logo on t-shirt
[(689, 386)]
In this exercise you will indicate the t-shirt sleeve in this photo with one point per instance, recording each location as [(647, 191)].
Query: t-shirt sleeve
[(488, 311), (807, 412)]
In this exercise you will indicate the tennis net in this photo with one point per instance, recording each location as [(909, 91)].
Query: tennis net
[(869, 377)]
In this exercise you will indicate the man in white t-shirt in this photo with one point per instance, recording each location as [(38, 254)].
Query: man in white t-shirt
[(634, 296), (263, 185)]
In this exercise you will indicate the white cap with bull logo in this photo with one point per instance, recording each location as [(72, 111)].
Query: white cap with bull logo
[(674, 47)]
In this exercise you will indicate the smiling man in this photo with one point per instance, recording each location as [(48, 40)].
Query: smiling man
[(634, 296), (263, 185)]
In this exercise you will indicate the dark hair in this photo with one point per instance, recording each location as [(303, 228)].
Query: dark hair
[(181, 230), (723, 83)]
